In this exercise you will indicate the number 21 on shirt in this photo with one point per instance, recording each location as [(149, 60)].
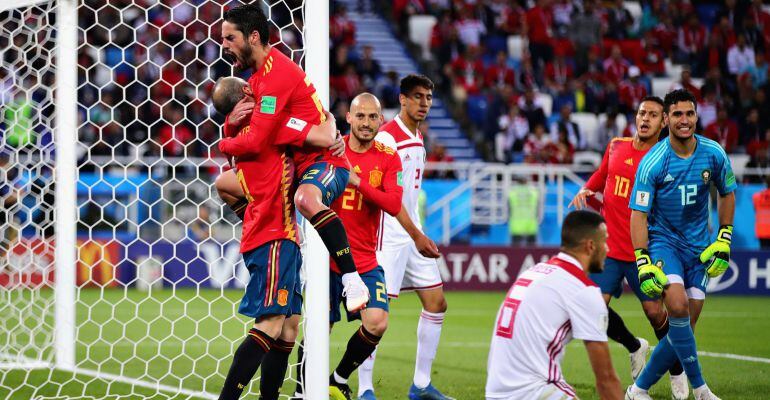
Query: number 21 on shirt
[(511, 304)]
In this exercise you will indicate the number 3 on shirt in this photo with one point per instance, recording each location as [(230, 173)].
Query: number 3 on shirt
[(510, 306)]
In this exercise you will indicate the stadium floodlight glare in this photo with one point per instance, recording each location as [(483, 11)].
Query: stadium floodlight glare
[(108, 288)]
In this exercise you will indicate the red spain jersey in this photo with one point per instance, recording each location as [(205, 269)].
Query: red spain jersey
[(359, 208), (266, 178), (615, 178), (286, 102)]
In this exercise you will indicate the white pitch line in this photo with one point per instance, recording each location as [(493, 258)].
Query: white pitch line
[(150, 385), (734, 357)]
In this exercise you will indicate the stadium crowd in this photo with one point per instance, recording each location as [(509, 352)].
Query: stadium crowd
[(595, 57)]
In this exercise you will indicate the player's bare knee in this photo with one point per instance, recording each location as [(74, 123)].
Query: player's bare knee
[(679, 308), (376, 326), (307, 202), (437, 305), (290, 329), (271, 325)]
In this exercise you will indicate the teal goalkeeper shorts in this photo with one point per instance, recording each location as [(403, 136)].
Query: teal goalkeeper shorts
[(681, 266)]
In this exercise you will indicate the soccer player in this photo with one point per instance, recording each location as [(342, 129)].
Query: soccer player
[(281, 89), (615, 178), (271, 253), (546, 307), (669, 230), (374, 186), (404, 251)]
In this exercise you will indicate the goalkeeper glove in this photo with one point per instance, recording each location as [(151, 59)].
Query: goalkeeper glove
[(652, 280), (717, 254)]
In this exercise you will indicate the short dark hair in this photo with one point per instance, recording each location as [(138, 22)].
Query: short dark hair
[(411, 81), (677, 96), (654, 99), (578, 226), (249, 18)]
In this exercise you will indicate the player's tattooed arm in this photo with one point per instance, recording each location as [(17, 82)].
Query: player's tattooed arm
[(424, 244)]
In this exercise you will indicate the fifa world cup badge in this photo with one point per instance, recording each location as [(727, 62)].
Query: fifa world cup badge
[(705, 175)]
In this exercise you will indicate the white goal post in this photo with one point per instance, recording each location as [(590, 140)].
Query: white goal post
[(138, 372)]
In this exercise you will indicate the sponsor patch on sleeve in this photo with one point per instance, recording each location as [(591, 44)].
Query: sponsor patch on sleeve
[(642, 198), (296, 124)]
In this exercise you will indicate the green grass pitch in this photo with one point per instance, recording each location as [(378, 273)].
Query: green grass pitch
[(729, 325)]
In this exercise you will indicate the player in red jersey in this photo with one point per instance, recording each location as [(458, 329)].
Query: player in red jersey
[(281, 89), (270, 249), (615, 179), (374, 187)]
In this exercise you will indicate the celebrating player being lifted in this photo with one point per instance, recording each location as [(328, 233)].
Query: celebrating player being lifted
[(669, 229), (282, 90), (615, 179), (270, 250), (404, 252)]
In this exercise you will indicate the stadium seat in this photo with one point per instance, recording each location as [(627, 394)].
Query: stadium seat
[(635, 8), (620, 121), (516, 45), (546, 102), (591, 158), (588, 124), (661, 86), (739, 162), (420, 29)]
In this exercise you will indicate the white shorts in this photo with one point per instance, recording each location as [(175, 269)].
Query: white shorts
[(407, 269)]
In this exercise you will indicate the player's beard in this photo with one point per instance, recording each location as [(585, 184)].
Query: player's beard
[(596, 264), (364, 137), (241, 61)]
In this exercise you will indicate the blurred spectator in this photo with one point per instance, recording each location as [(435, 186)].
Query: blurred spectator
[(562, 17), (687, 84), (467, 74), (523, 213), (724, 33), (348, 85), (707, 109), (564, 126), (528, 77), (538, 147), (739, 56), (758, 72), (615, 67), (175, 135), (388, 90), (761, 202), (199, 229), (469, 28), (514, 129), (754, 134), (619, 20), (499, 73), (341, 29), (724, 131), (632, 91), (557, 73), (532, 110), (754, 35), (539, 28), (652, 62), (607, 130), (731, 12), (438, 154), (368, 68), (692, 38), (585, 33), (564, 150)]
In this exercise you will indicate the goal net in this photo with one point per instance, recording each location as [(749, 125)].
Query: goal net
[(148, 306)]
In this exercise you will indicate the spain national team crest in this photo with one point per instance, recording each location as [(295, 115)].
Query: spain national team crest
[(283, 297), (375, 178), (705, 175)]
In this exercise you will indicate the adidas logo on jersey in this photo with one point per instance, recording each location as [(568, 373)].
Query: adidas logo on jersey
[(630, 161), (668, 178)]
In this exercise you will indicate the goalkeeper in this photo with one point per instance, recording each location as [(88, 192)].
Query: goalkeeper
[(669, 229)]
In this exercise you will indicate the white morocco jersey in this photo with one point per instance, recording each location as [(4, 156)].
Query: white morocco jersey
[(546, 307), (412, 152)]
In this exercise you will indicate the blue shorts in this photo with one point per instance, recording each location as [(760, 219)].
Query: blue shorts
[(374, 280), (330, 180), (681, 266), (610, 280), (274, 287)]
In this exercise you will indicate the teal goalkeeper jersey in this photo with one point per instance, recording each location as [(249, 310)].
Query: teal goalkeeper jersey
[(674, 192)]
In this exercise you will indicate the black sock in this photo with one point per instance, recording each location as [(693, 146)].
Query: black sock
[(246, 361), (274, 369), (300, 367), (617, 331), (239, 208), (330, 228), (661, 333), (360, 346)]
